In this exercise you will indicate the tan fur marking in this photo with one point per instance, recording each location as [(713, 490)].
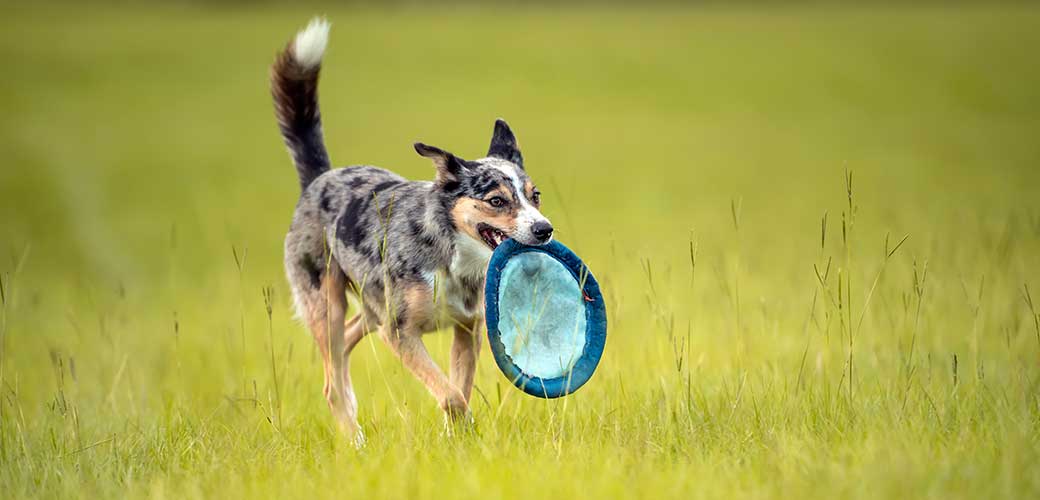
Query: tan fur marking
[(503, 192), (468, 212), (418, 303), (529, 193)]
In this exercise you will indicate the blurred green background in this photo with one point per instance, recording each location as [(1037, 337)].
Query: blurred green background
[(691, 155)]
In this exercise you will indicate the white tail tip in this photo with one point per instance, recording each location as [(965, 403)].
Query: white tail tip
[(309, 46)]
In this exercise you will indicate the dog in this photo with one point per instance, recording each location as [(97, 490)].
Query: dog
[(412, 254)]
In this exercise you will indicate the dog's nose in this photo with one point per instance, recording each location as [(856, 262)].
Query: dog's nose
[(542, 230)]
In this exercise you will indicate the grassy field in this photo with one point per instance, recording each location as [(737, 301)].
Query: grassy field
[(815, 228)]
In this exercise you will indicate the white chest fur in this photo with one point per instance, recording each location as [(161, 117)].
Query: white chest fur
[(471, 257), (455, 288)]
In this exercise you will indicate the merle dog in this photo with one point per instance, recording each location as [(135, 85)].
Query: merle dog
[(413, 254)]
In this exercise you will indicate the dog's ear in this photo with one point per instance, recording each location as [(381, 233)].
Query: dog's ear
[(449, 166), (503, 144)]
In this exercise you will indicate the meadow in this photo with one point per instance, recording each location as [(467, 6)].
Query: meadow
[(817, 229)]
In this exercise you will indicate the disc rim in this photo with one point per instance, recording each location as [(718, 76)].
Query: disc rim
[(595, 322)]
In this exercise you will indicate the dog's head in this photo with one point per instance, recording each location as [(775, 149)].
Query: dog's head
[(492, 198)]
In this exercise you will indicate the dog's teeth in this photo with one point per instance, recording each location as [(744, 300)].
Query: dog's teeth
[(495, 237)]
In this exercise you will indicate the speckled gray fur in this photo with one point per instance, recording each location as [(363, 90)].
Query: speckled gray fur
[(381, 229)]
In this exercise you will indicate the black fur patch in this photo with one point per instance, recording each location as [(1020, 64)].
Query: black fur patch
[(367, 251), (414, 228), (383, 186), (325, 200), (374, 290), (485, 183), (313, 269), (446, 223), (351, 230)]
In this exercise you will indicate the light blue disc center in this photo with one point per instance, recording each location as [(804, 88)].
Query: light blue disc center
[(541, 315)]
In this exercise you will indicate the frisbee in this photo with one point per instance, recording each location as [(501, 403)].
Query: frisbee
[(546, 320)]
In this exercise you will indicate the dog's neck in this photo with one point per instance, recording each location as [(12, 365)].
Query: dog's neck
[(470, 258), (467, 258)]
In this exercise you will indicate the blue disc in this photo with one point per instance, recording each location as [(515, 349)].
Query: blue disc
[(546, 320)]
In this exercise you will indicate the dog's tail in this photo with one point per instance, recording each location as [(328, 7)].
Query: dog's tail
[(294, 86)]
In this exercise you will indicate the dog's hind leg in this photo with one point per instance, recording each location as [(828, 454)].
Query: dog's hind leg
[(355, 329), (325, 317), (319, 289)]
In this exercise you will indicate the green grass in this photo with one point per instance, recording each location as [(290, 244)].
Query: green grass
[(690, 156)]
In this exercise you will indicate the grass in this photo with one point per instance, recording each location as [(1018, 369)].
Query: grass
[(739, 179)]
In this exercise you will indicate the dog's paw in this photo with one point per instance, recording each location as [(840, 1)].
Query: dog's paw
[(459, 426), (455, 406), (359, 439), (350, 429)]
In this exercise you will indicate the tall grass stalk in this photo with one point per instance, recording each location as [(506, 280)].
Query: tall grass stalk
[(268, 293), (848, 220), (240, 264), (1035, 316), (5, 281), (4, 290), (976, 308), (919, 280), (736, 208)]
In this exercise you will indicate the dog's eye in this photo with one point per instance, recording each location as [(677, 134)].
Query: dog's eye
[(536, 198), (497, 201)]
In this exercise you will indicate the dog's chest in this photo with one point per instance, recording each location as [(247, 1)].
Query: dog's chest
[(461, 291)]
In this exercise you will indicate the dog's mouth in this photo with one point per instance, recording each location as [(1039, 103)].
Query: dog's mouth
[(492, 236)]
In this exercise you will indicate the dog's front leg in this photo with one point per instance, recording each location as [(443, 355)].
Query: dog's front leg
[(465, 349), (404, 336)]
